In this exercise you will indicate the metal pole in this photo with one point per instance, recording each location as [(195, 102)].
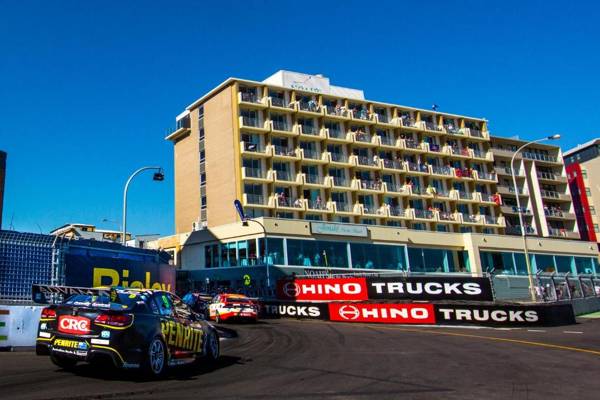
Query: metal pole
[(266, 250), (523, 233), (124, 232)]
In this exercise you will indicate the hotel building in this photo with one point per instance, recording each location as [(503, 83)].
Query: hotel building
[(338, 181)]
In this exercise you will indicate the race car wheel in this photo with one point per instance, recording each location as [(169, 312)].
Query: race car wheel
[(63, 362), (212, 347), (156, 359)]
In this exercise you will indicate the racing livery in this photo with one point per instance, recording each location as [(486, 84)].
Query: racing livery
[(131, 328), (226, 307)]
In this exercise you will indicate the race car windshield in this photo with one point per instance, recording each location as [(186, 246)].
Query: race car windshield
[(126, 301)]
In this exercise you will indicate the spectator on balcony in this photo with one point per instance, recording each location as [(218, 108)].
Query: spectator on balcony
[(298, 203), (338, 109), (312, 105), (318, 202), (375, 159), (431, 190), (496, 198), (363, 112)]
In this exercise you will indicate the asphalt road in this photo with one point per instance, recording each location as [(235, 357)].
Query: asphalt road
[(287, 359)]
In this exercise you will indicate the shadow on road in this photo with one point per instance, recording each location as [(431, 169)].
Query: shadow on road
[(184, 372)]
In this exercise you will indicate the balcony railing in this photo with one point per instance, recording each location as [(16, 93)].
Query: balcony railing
[(317, 204), (486, 175), (447, 216), (476, 133), (254, 147), (313, 178), (309, 129), (336, 133), (547, 175), (557, 232), (488, 197), (397, 212), (478, 153), (255, 199), (363, 137), (392, 164), (516, 230), (383, 118), (336, 110), (392, 187), (508, 171), (412, 144), (540, 157), (340, 181), (281, 125), (463, 173), (424, 214), (284, 151), (284, 176), (408, 122), (312, 154), (287, 202), (361, 114), (441, 170), (435, 147), (368, 161), (553, 212), (550, 193), (250, 97), (387, 141), (250, 121), (464, 195), (311, 106), (344, 207), (255, 173), (339, 157), (278, 102), (431, 126), (488, 219), (452, 129), (370, 185), (470, 218)]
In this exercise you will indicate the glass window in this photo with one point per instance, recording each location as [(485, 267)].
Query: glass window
[(274, 252), (377, 256), (544, 263), (564, 264), (585, 265), (592, 210), (500, 262), (317, 253)]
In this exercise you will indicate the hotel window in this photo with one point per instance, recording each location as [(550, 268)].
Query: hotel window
[(596, 228), (202, 179), (313, 217), (584, 173), (588, 192), (592, 210), (200, 111), (203, 202), (202, 156), (367, 221)]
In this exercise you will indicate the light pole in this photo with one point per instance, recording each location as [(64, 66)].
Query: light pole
[(520, 211), (245, 223), (158, 176)]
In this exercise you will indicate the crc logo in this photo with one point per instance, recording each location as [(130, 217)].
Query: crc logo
[(291, 289), (349, 312), (70, 324)]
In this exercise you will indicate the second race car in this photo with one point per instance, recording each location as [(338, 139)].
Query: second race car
[(227, 307)]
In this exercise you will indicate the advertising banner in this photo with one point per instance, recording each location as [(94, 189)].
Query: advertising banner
[(430, 288), (339, 289), (277, 309), (389, 288), (382, 313), (505, 314), (94, 271)]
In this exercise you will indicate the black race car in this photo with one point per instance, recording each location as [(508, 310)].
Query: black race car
[(132, 328)]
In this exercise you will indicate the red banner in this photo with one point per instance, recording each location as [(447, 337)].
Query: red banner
[(323, 289), (383, 313)]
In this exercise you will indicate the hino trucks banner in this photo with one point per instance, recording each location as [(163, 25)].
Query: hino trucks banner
[(389, 288)]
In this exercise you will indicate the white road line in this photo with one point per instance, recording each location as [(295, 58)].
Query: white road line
[(572, 332), (535, 330)]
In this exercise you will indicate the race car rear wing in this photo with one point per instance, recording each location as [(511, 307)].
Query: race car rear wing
[(46, 294)]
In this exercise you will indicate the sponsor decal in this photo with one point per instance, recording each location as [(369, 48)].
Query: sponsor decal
[(181, 336), (73, 324), (103, 342), (70, 344), (430, 288), (383, 313), (323, 289), (45, 334), (43, 326), (105, 334)]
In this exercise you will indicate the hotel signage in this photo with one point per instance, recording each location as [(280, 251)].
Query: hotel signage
[(323, 228)]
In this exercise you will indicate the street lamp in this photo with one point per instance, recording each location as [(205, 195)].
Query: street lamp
[(520, 211), (266, 255), (158, 176)]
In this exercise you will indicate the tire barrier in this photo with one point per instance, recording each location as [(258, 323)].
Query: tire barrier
[(446, 313)]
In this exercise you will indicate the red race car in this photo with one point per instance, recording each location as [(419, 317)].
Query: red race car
[(227, 307)]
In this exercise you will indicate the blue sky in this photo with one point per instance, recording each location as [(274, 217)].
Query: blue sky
[(88, 89)]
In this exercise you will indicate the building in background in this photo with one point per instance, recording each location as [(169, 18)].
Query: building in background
[(583, 170), (542, 187), (2, 181), (87, 231), (338, 181)]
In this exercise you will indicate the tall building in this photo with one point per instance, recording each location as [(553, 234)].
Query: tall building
[(583, 169), (542, 187), (2, 180), (339, 181)]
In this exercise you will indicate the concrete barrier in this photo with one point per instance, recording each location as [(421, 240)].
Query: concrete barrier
[(18, 325)]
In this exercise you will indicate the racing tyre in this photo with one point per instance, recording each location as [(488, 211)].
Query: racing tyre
[(212, 347), (63, 362), (155, 364)]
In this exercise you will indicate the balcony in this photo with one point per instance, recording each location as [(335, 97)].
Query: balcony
[(255, 175), (423, 214), (392, 164), (415, 168), (482, 155), (554, 195), (364, 138), (540, 157), (341, 207), (432, 127), (452, 130), (284, 152), (366, 185), (490, 220), (457, 152), (278, 102), (562, 233), (463, 173), (253, 149), (397, 212), (308, 130), (285, 176), (549, 176), (250, 99), (408, 122), (501, 152), (510, 190), (387, 141), (282, 127), (441, 170), (336, 111), (336, 135), (447, 216), (340, 182), (411, 144), (312, 156), (516, 230), (555, 213), (255, 200), (508, 209), (508, 172), (434, 148), (486, 176), (281, 201), (488, 198), (311, 107), (317, 205), (471, 218), (393, 188), (339, 158), (462, 195), (251, 124), (362, 115), (370, 162), (314, 180)]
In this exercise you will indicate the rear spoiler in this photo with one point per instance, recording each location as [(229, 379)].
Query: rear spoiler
[(46, 294)]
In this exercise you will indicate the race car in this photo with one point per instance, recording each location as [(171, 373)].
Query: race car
[(131, 328), (227, 307)]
